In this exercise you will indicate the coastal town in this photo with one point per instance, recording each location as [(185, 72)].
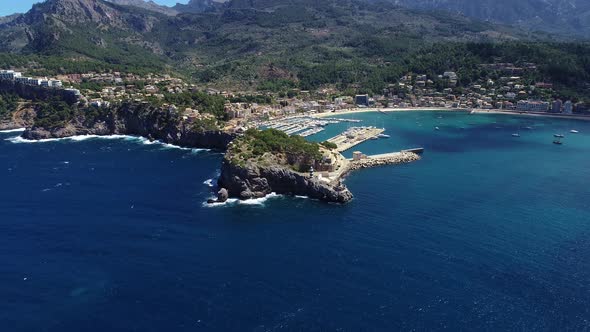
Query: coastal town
[(290, 111)]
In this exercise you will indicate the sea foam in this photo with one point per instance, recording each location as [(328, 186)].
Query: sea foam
[(251, 202), (12, 130), (80, 138)]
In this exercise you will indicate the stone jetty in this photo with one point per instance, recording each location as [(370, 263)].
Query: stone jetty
[(403, 157)]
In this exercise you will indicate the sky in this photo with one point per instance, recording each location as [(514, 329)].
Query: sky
[(8, 7)]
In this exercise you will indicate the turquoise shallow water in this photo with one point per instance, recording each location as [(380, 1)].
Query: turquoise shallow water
[(486, 232)]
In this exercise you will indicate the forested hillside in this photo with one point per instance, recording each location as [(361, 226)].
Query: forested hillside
[(280, 44)]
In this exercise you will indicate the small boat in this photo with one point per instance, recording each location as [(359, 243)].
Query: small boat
[(528, 128), (374, 137), (436, 128), (574, 131), (515, 135), (558, 142), (383, 136), (558, 135)]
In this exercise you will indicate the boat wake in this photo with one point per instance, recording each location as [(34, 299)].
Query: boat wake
[(80, 138), (209, 183)]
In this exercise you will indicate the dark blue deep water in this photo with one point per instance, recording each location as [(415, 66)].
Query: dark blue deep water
[(486, 232)]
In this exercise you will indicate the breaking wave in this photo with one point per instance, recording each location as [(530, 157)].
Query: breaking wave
[(79, 138), (12, 130), (237, 202)]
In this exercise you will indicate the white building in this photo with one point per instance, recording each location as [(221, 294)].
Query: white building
[(9, 74), (450, 75), (532, 106), (34, 81), (568, 107), (55, 83), (23, 80), (75, 92)]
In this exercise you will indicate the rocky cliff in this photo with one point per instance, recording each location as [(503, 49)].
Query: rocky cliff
[(137, 120), (252, 181)]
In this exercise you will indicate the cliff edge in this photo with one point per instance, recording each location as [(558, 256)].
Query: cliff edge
[(262, 162)]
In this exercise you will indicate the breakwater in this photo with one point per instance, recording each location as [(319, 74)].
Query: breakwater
[(395, 158)]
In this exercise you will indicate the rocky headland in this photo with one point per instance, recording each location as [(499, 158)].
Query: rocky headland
[(138, 120), (253, 180)]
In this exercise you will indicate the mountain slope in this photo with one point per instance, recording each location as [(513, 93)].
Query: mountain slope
[(147, 5), (88, 28), (557, 16), (199, 6), (267, 44)]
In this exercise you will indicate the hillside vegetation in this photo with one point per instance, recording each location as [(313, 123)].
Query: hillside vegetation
[(260, 145), (280, 45)]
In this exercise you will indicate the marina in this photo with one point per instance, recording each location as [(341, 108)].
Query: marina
[(303, 126), (355, 136)]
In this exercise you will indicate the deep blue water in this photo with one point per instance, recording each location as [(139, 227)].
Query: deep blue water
[(486, 232)]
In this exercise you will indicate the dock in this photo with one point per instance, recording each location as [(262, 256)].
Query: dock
[(355, 136)]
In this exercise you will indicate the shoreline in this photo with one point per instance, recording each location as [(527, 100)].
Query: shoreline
[(534, 114), (388, 110), (467, 110)]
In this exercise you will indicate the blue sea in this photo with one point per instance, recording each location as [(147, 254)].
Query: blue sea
[(487, 232)]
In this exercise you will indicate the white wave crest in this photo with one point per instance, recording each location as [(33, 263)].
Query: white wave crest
[(80, 138), (229, 202), (12, 130), (19, 139), (252, 201)]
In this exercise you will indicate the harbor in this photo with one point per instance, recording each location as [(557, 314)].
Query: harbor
[(303, 126), (355, 136)]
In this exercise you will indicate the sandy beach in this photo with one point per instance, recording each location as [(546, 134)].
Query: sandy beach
[(477, 111), (366, 110)]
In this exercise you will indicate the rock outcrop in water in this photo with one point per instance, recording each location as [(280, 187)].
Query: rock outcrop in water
[(138, 120), (255, 181)]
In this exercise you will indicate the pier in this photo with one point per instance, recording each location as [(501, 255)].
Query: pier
[(355, 136)]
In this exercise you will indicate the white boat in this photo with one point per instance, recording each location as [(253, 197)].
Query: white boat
[(436, 128), (558, 135), (383, 136), (574, 131), (515, 135)]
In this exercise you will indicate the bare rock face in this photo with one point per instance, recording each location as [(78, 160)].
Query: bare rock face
[(254, 181), (134, 121), (222, 195)]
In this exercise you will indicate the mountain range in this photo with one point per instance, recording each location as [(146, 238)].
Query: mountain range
[(554, 16), (245, 43)]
